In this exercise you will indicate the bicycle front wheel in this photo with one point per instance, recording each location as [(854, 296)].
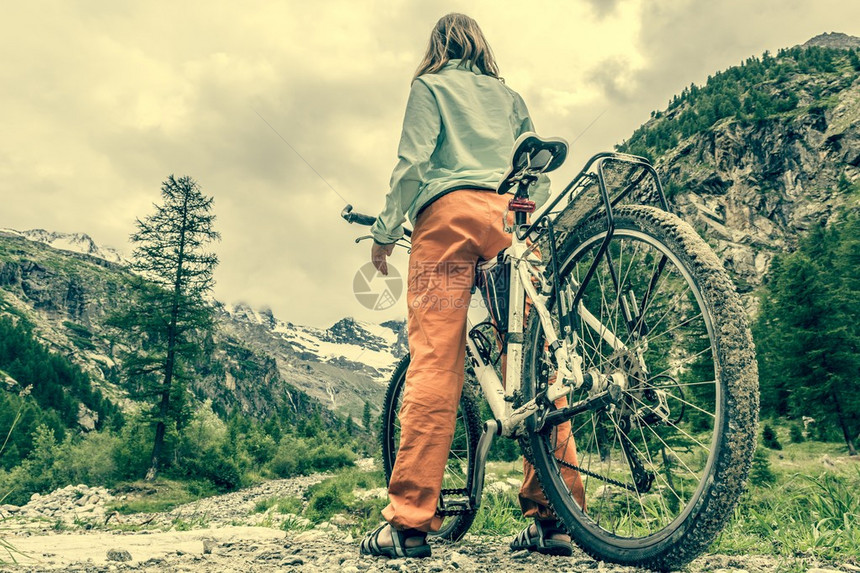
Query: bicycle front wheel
[(664, 466), (461, 456)]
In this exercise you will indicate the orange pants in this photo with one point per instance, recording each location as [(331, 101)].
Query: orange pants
[(450, 236)]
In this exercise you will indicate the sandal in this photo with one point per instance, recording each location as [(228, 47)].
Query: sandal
[(370, 544), (542, 541)]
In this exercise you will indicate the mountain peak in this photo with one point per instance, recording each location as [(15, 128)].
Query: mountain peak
[(74, 242), (836, 40)]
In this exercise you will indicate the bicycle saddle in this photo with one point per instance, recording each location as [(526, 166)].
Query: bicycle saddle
[(532, 156)]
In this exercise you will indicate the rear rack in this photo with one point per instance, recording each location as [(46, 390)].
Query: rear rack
[(614, 177), (606, 180)]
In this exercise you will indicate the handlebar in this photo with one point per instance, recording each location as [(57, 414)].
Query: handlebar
[(366, 220)]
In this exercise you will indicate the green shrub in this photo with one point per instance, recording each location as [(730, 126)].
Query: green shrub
[(761, 473), (90, 459), (795, 434), (134, 450), (296, 456), (335, 495), (768, 436), (205, 451), (259, 447), (500, 514), (281, 504)]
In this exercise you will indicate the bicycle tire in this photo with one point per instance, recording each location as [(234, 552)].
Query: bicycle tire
[(465, 443), (623, 524)]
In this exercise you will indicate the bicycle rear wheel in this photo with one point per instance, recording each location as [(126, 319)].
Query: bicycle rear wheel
[(664, 467), (461, 457)]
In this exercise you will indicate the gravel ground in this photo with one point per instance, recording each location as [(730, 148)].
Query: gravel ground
[(232, 538)]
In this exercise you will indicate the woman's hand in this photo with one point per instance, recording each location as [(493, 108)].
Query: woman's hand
[(378, 253)]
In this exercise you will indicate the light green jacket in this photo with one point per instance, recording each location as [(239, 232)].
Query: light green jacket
[(458, 133)]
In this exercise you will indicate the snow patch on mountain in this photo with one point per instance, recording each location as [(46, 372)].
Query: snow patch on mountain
[(346, 341), (74, 242)]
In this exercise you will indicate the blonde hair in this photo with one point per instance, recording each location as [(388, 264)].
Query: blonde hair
[(456, 36)]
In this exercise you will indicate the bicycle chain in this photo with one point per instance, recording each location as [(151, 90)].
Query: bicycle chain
[(596, 475)]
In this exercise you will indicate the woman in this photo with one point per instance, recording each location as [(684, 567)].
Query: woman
[(460, 126)]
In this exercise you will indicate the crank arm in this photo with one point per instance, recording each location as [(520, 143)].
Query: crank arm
[(475, 487)]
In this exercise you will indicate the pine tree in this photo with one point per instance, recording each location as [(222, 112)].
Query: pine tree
[(365, 417), (171, 314), (808, 330)]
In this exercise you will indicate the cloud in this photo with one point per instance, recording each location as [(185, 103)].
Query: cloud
[(100, 102), (615, 78), (603, 8)]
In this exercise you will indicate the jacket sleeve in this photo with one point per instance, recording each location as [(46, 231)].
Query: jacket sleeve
[(421, 126), (539, 192)]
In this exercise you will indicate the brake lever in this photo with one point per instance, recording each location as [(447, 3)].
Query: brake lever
[(398, 243)]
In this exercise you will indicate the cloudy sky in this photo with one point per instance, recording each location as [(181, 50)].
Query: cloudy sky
[(284, 111)]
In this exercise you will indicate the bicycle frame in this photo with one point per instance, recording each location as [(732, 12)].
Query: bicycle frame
[(500, 396), (524, 268)]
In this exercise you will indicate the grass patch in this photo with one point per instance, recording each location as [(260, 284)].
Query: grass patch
[(281, 505), (810, 513), (337, 495), (159, 495), (499, 514)]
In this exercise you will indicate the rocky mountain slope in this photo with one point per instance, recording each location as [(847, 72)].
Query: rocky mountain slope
[(763, 152), (260, 365), (836, 40), (72, 242)]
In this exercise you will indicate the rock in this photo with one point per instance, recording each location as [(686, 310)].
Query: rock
[(208, 546), (311, 535), (341, 520), (294, 560), (460, 561), (521, 555), (118, 555), (87, 419)]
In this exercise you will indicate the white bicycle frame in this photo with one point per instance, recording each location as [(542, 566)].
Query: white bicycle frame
[(524, 268)]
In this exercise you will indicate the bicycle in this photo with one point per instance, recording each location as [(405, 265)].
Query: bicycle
[(635, 323)]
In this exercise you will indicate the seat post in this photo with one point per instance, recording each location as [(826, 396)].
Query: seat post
[(521, 205)]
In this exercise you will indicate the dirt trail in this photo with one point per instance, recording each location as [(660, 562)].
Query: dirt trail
[(225, 535)]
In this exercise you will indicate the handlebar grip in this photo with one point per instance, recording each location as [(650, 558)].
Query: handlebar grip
[(351, 217)]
